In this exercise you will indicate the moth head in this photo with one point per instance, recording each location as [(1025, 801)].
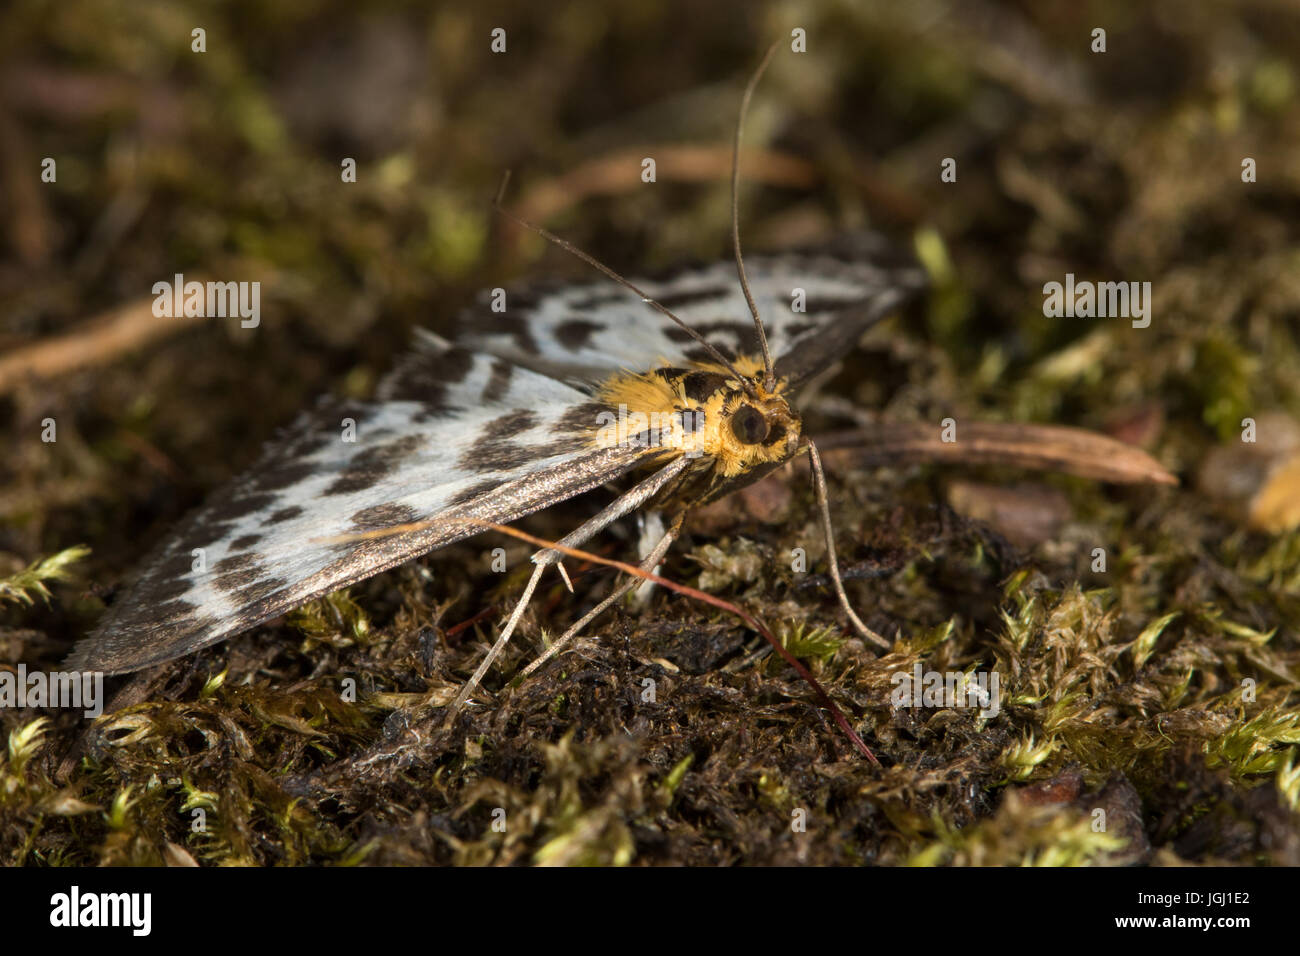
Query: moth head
[(739, 425), (758, 429)]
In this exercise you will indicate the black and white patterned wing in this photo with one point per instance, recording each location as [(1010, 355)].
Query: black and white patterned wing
[(452, 437), (814, 305)]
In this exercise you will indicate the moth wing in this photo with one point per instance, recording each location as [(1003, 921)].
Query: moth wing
[(814, 305), (851, 286), (453, 437)]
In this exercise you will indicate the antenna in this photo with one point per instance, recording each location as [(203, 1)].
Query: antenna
[(769, 381), (606, 270)]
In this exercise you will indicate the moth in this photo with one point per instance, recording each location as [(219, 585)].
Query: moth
[(530, 406), (683, 387), (572, 386)]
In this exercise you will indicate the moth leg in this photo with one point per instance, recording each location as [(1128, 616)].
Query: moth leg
[(500, 644), (819, 482), (620, 506), (616, 509), (652, 559)]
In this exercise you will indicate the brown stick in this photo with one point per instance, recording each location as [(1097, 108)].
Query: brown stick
[(96, 341), (608, 175), (1073, 451)]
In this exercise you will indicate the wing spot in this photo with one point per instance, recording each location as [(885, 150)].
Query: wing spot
[(238, 572), (234, 508), (283, 476), (576, 333), (372, 465), (511, 424), (284, 514), (494, 450), (387, 515), (831, 304), (498, 382), (427, 376), (503, 323), (581, 419)]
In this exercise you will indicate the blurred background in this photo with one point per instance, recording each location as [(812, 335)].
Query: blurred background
[(1120, 165)]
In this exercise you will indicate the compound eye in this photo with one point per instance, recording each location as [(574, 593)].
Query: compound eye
[(748, 425)]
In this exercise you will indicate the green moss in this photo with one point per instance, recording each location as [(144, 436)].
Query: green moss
[(32, 582), (1021, 836)]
